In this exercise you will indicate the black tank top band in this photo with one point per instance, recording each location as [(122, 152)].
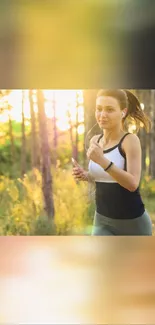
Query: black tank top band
[(117, 145)]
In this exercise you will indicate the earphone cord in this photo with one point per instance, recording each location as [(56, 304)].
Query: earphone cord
[(86, 148)]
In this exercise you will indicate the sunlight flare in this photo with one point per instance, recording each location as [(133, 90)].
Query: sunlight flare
[(62, 101)]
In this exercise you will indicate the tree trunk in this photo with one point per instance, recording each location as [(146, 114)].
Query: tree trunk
[(150, 153), (23, 160), (71, 133), (144, 97), (34, 150), (55, 135), (11, 139), (76, 128), (143, 139), (148, 101), (45, 155), (84, 146), (152, 148), (89, 102)]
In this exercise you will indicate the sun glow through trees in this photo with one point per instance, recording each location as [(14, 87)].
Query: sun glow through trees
[(64, 101)]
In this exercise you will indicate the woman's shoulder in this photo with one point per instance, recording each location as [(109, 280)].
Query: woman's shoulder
[(130, 140), (131, 137), (94, 138)]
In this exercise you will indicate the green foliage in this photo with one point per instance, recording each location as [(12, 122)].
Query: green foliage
[(63, 154), (22, 208), (71, 204), (21, 204), (43, 227), (7, 168), (148, 187)]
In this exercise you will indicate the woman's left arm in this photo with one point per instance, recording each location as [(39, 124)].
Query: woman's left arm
[(129, 179)]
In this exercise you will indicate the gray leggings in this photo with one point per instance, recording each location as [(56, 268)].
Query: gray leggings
[(104, 226)]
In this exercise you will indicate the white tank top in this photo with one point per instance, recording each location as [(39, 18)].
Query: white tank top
[(114, 154), (112, 199)]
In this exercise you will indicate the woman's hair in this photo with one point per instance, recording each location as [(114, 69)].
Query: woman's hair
[(128, 100)]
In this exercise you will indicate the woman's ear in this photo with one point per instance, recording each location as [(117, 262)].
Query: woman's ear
[(124, 112)]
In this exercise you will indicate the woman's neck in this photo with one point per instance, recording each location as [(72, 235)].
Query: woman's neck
[(112, 135)]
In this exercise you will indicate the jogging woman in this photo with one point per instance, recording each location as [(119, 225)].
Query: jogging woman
[(115, 166)]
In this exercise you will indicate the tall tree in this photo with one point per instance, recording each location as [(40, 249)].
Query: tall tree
[(71, 131), (89, 101), (55, 132), (34, 151), (54, 122), (23, 159), (143, 98), (45, 158), (146, 96), (11, 135), (76, 128), (4, 96), (152, 142), (148, 136)]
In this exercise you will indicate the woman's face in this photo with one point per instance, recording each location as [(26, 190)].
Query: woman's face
[(108, 113)]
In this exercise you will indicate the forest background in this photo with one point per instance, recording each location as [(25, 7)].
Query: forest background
[(40, 130)]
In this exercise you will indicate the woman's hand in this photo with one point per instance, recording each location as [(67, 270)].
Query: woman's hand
[(95, 153), (79, 173)]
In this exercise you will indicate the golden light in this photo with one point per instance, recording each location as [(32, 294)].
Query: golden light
[(132, 128), (147, 161), (81, 129), (142, 106), (48, 94), (64, 101), (62, 124), (15, 100)]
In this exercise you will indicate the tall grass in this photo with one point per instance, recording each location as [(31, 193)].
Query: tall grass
[(22, 206)]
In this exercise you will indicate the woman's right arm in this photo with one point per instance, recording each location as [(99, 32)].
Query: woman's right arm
[(79, 173), (90, 177)]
